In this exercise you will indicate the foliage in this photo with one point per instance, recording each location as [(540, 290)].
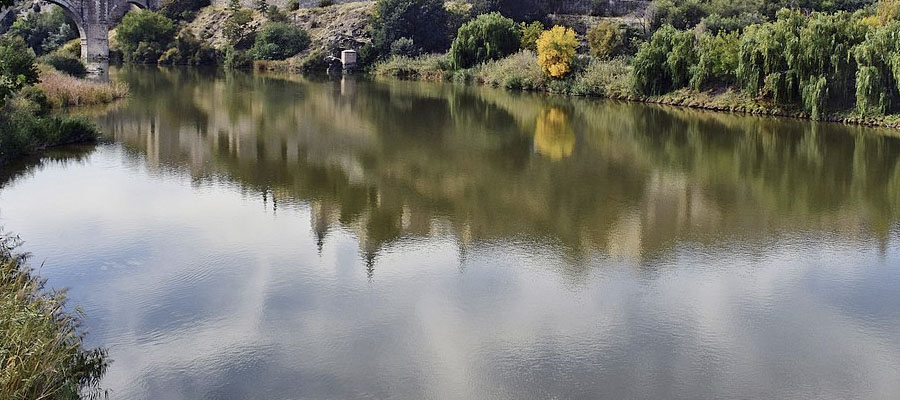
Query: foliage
[(44, 32), (261, 5), (42, 350), (404, 47), (607, 39), (423, 21), (663, 64), (275, 15), (425, 67), (238, 59), (293, 5), (325, 3), (189, 50), (487, 37), (70, 65), (518, 71), (878, 60), (144, 35), (71, 48), (681, 14), (556, 51), (608, 78), (182, 10), (17, 67), (717, 60), (277, 41), (314, 61), (531, 32), (237, 29)]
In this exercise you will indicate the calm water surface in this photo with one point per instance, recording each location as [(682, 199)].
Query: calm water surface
[(276, 238)]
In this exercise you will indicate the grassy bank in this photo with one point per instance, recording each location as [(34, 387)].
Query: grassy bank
[(42, 355), (64, 90), (610, 79)]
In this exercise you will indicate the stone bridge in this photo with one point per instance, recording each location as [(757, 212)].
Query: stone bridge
[(94, 18)]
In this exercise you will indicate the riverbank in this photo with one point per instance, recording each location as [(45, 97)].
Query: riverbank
[(610, 79), (42, 354)]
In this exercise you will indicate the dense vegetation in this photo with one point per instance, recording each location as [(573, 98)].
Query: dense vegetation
[(818, 59), (44, 32), (41, 351), (26, 125)]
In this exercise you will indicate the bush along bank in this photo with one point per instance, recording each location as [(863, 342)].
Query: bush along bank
[(26, 123), (830, 66), (42, 355)]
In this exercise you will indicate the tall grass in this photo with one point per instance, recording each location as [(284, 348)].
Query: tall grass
[(67, 91), (42, 355), (518, 71), (430, 67)]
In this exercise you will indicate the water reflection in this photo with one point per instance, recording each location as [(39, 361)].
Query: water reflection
[(596, 177), (272, 237)]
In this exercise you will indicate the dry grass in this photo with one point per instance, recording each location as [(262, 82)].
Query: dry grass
[(66, 91)]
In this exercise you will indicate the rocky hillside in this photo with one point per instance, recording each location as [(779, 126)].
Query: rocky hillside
[(338, 27)]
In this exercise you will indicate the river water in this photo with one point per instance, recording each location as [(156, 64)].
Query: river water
[(267, 237)]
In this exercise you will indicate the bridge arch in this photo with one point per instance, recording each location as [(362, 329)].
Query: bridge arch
[(93, 18)]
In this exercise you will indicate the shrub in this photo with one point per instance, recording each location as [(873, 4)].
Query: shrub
[(325, 3), (277, 41), (663, 64), (607, 39), (681, 14), (182, 10), (487, 37), (189, 50), (237, 29), (717, 61), (518, 71), (404, 47), (144, 35), (314, 61), (17, 67), (426, 67), (423, 21), (609, 78), (275, 15), (293, 5), (530, 34), (69, 65), (44, 32), (72, 49), (238, 59), (556, 51)]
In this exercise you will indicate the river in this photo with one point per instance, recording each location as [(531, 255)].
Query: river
[(273, 237)]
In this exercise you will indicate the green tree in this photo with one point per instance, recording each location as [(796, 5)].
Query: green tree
[(607, 39), (487, 37), (423, 21), (44, 32), (531, 32), (663, 64), (144, 35), (237, 29), (17, 66)]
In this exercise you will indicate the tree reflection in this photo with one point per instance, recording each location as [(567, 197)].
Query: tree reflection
[(388, 160)]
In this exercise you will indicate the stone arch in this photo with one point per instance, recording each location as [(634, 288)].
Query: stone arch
[(120, 8)]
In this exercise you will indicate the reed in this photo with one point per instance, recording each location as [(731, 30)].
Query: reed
[(67, 91), (42, 355)]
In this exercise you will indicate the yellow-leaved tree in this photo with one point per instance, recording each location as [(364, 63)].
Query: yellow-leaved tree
[(556, 51)]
